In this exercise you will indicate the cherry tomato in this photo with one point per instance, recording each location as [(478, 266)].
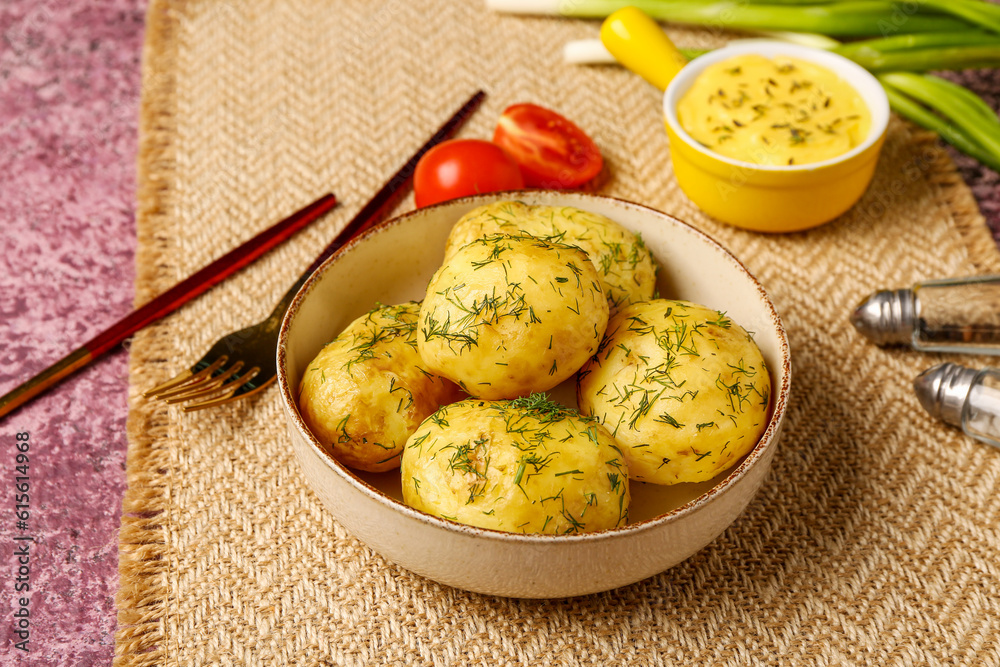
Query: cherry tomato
[(551, 151), (461, 167)]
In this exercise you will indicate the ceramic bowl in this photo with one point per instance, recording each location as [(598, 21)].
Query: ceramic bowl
[(392, 264), (775, 198)]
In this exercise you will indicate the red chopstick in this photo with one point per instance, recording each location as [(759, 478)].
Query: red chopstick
[(202, 280), (184, 291)]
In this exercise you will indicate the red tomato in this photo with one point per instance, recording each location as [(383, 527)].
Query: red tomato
[(551, 151), (461, 167)]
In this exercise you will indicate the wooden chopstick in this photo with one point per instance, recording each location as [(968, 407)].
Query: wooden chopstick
[(383, 201), (396, 187)]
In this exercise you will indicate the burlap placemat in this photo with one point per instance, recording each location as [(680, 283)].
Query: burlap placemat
[(874, 541)]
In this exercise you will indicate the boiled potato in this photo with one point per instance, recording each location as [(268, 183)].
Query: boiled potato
[(368, 390), (510, 315), (526, 466), (624, 265), (682, 388)]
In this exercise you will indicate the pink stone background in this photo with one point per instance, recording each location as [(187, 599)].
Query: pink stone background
[(69, 91)]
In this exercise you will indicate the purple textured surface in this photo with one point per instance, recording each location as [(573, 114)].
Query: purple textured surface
[(69, 91), (984, 182)]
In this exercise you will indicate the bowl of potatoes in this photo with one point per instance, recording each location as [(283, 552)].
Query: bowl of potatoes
[(534, 394)]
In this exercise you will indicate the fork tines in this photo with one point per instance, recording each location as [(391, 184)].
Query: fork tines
[(210, 386)]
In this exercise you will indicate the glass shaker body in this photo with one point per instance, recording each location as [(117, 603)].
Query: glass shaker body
[(963, 397), (954, 315), (981, 412), (960, 315)]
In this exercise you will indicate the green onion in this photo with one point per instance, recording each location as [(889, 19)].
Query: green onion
[(925, 100), (975, 103), (691, 54), (971, 12), (926, 51), (918, 41), (961, 101), (811, 39), (859, 18), (923, 60), (974, 11), (909, 37)]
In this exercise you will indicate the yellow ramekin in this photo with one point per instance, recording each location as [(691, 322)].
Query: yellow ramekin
[(768, 198)]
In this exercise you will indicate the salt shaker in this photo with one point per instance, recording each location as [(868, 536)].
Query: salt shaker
[(952, 315), (963, 397)]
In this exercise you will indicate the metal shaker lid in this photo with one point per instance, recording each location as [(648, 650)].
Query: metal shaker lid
[(942, 390), (887, 317)]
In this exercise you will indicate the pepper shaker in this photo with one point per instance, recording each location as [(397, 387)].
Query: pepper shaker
[(951, 315), (963, 397)]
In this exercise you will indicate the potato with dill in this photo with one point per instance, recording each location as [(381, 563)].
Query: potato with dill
[(682, 388), (510, 315), (526, 465), (624, 265), (368, 390)]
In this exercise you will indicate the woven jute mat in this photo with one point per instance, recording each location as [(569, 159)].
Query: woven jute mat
[(874, 540)]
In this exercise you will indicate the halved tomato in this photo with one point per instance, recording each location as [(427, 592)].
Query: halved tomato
[(461, 167), (551, 151)]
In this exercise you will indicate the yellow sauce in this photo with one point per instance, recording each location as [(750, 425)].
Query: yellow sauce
[(781, 111)]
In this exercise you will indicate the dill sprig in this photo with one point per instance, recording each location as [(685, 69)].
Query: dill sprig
[(655, 388), (625, 267), (535, 426), (461, 312), (382, 325)]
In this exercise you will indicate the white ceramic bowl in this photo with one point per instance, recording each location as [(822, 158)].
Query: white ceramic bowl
[(392, 264)]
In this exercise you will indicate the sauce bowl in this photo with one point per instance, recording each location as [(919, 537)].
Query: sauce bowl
[(759, 197), (768, 198)]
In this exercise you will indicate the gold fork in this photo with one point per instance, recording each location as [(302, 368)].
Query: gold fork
[(243, 362)]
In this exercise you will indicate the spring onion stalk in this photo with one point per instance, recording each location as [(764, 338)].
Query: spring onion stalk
[(690, 53), (913, 111), (587, 52), (956, 114), (935, 92), (593, 51), (920, 41), (858, 18), (960, 117), (974, 104), (810, 39), (943, 50), (975, 12), (923, 60)]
